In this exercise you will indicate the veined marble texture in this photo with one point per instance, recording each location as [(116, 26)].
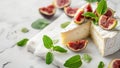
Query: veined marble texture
[(16, 14)]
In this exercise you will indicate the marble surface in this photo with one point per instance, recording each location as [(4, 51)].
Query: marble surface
[(14, 15)]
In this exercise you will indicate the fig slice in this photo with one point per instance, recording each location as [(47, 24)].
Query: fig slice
[(88, 8), (70, 11), (107, 23), (114, 63), (62, 3), (79, 18), (77, 45), (48, 11), (109, 12)]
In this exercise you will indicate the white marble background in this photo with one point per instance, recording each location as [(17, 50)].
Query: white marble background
[(14, 15)]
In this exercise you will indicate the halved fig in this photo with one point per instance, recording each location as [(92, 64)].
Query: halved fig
[(109, 12), (48, 11), (62, 3), (114, 63), (88, 8), (107, 23), (77, 45), (70, 11), (79, 18)]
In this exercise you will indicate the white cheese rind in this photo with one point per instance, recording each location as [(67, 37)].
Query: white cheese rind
[(75, 32), (106, 41)]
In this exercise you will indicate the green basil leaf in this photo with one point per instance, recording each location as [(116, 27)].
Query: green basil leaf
[(59, 49), (101, 64), (24, 30), (40, 24), (87, 58), (48, 43), (49, 58), (65, 24), (73, 62), (22, 42), (91, 1), (102, 7), (89, 14)]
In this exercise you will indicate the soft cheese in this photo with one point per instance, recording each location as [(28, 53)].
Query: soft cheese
[(75, 32), (108, 42)]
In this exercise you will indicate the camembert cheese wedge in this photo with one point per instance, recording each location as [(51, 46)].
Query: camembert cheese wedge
[(74, 32), (108, 42)]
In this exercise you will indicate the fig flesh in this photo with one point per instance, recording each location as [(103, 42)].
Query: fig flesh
[(114, 63), (79, 18), (109, 12), (88, 8), (62, 3), (77, 45), (107, 23), (48, 11), (70, 11)]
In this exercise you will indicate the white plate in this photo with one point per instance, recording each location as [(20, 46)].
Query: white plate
[(35, 45)]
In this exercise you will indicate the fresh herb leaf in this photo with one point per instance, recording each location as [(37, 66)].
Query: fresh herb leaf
[(73, 62), (59, 49), (48, 43), (40, 24), (65, 24), (101, 64), (22, 42), (55, 41), (93, 16), (91, 1), (95, 22), (87, 58), (49, 58), (90, 14), (98, 0), (101, 8), (24, 30)]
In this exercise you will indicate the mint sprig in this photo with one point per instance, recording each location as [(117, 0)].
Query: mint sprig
[(65, 24), (73, 62), (101, 8), (48, 43), (59, 49), (40, 24), (101, 64), (92, 16), (49, 58), (22, 42)]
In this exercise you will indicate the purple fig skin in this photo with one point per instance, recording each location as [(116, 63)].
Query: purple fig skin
[(109, 12), (61, 6), (115, 63), (47, 14), (67, 9), (77, 45)]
